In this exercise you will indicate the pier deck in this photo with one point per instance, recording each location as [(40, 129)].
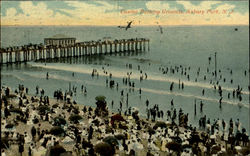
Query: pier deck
[(34, 52)]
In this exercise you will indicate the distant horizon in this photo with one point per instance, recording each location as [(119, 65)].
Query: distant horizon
[(118, 25)]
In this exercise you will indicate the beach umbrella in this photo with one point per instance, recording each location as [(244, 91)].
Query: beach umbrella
[(104, 149), (96, 122), (215, 149), (238, 148), (123, 126), (168, 123), (16, 110), (40, 151), (135, 110), (160, 124), (67, 140), (174, 146), (100, 98), (130, 117), (56, 150), (176, 139), (4, 143), (116, 117), (186, 145), (135, 115), (9, 125), (212, 137), (149, 154), (35, 100), (75, 118), (245, 151), (120, 136), (58, 121), (56, 130), (194, 138), (35, 120), (101, 105), (109, 129), (12, 96), (43, 109), (151, 130), (136, 146), (85, 144), (111, 140), (55, 105)]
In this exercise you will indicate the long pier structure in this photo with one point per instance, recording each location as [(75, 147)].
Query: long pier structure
[(34, 52)]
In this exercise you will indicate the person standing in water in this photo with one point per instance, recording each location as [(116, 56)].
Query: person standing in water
[(112, 104), (147, 103), (194, 106), (201, 106), (220, 101), (172, 104)]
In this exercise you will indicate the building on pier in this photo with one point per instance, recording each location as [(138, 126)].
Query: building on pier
[(59, 40)]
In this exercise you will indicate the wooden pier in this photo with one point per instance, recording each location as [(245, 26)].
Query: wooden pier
[(43, 52)]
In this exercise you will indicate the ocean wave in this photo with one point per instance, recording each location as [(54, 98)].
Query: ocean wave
[(191, 83), (120, 73), (163, 92), (51, 76), (12, 75)]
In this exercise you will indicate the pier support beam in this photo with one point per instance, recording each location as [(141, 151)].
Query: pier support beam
[(10, 57), (128, 46), (148, 46), (1, 58), (95, 49), (124, 46), (116, 47), (85, 50), (140, 45), (144, 46), (100, 48), (110, 50), (43, 51), (106, 48)]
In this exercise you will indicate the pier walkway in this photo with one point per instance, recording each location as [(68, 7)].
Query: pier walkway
[(34, 52)]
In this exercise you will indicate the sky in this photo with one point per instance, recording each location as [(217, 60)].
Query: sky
[(104, 13)]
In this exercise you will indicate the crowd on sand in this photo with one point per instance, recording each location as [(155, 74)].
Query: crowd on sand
[(34, 125)]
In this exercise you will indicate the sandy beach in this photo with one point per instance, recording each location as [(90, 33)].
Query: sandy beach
[(133, 135)]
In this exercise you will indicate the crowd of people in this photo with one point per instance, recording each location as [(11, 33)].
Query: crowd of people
[(29, 123)]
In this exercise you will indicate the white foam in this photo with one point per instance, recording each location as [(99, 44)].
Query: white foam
[(120, 73), (163, 92), (12, 75)]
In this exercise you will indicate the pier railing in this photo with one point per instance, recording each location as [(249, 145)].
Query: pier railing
[(34, 52)]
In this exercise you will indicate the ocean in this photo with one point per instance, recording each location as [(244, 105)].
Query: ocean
[(186, 46)]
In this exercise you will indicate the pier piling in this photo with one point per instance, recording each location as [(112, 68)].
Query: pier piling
[(66, 49)]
